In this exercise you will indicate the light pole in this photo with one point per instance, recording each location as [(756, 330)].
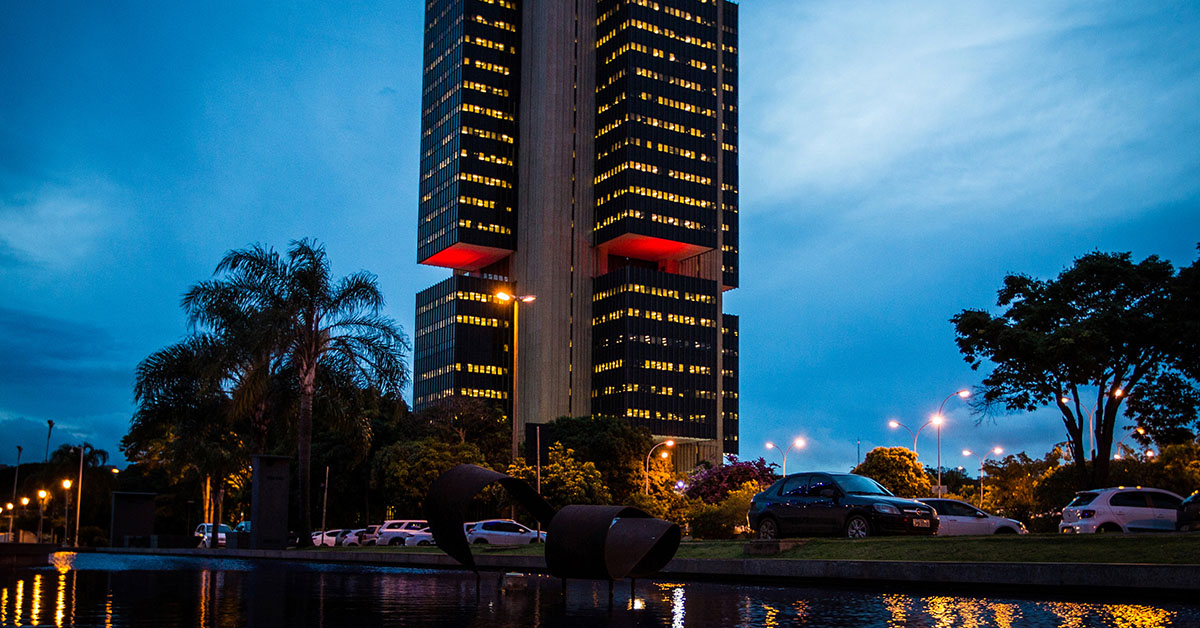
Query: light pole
[(968, 452), (16, 472), (78, 495), (937, 420), (517, 300), (799, 442), (47, 458), (66, 484), (41, 511), (1117, 393), (962, 394), (1117, 448), (646, 469)]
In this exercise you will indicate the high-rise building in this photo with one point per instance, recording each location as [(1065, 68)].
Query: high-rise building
[(583, 152)]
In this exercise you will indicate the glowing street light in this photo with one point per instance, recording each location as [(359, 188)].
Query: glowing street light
[(42, 495), (66, 484), (799, 442), (665, 455), (16, 472), (937, 421), (968, 452), (517, 300)]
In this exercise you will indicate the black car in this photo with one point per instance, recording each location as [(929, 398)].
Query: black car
[(1189, 513), (832, 504)]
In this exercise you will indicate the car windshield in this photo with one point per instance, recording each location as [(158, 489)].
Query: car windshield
[(223, 529), (1082, 499), (858, 485)]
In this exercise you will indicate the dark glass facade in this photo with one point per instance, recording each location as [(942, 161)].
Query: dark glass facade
[(462, 342), (660, 240), (471, 92)]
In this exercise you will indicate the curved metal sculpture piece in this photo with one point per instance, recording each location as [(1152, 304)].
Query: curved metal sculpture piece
[(609, 543), (595, 542)]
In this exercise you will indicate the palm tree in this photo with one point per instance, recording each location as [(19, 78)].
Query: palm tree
[(316, 323)]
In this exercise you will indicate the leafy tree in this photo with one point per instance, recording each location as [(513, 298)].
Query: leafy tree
[(319, 324), (1104, 331), (897, 469), (565, 480), (473, 420), (714, 484), (616, 447), (724, 518), (1011, 488), (404, 471)]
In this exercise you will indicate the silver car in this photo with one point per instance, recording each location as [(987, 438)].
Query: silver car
[(962, 519), (1121, 509)]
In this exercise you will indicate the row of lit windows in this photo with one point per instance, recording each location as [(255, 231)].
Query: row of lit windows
[(672, 80), (663, 342), (635, 413), (671, 367), (664, 32), (678, 104), (494, 113), (629, 165), (482, 321), (728, 372), (485, 65), (485, 369), (622, 50), (435, 373), (654, 290), (504, 3), (478, 202), (481, 226), (608, 366), (726, 330), (434, 170), (487, 89), (434, 105), (487, 43), (655, 316), (432, 397), (609, 105), (671, 126), (487, 135), (683, 15), (500, 24), (485, 393), (476, 178), (659, 194)]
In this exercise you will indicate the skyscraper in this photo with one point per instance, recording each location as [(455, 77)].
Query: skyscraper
[(584, 152)]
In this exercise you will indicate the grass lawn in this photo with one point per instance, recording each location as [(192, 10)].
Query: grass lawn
[(1175, 548)]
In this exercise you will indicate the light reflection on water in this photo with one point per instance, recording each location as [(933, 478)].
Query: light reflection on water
[(127, 590)]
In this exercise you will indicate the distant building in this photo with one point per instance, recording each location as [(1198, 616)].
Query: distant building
[(585, 153)]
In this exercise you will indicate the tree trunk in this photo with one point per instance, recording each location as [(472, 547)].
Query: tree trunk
[(206, 515), (304, 454)]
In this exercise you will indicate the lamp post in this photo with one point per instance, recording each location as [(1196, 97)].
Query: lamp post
[(78, 495), (799, 442), (895, 424), (962, 394), (48, 432), (646, 469), (66, 484), (968, 452), (517, 300), (42, 494), (1117, 448), (16, 472), (1117, 393)]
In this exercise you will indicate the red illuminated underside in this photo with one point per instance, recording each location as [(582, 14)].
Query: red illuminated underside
[(650, 248), (462, 256)]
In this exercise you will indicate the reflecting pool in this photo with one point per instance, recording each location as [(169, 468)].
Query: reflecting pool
[(119, 590)]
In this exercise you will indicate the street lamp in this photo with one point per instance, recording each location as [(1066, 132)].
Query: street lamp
[(1117, 393), (42, 494), (66, 484), (799, 442), (79, 496), (968, 452), (646, 469), (895, 424), (516, 301), (16, 472), (1117, 455), (937, 421)]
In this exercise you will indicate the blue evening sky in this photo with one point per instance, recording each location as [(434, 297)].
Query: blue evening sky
[(897, 159)]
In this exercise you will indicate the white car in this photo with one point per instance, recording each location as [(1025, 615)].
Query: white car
[(503, 532), (420, 538), (327, 538), (352, 538), (203, 534), (393, 532), (1121, 509), (961, 519)]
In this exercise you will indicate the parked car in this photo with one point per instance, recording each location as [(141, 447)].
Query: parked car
[(957, 518), (420, 538), (351, 539), (203, 535), (503, 532), (328, 538), (1121, 509), (368, 536), (243, 527), (393, 532), (1188, 516), (810, 504)]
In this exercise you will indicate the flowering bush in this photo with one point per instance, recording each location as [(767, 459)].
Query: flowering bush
[(713, 484)]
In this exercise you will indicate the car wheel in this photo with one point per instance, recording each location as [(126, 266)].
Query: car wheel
[(1005, 531), (1108, 527), (423, 543), (533, 541), (395, 541), (857, 527), (481, 541), (768, 529)]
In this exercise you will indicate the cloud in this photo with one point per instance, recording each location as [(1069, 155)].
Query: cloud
[(57, 227)]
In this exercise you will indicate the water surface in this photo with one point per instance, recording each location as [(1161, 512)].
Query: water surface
[(123, 590)]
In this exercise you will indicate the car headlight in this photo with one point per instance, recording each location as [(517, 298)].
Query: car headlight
[(887, 509)]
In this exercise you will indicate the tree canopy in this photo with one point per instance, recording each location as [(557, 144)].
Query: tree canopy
[(1105, 331), (897, 469)]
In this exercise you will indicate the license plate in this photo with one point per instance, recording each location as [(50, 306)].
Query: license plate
[(920, 523)]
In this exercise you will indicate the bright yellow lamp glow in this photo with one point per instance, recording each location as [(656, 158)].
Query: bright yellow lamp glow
[(893, 424), (504, 296), (964, 393), (66, 484), (41, 494), (670, 443), (799, 442), (936, 420)]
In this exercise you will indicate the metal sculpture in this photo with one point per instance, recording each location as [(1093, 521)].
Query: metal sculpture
[(596, 542)]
